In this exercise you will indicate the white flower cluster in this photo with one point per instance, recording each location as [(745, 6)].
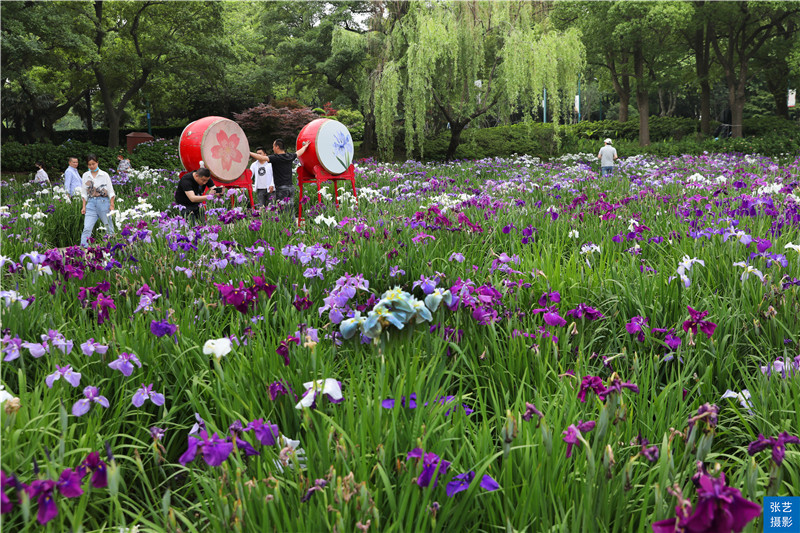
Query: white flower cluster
[(142, 210), (447, 201)]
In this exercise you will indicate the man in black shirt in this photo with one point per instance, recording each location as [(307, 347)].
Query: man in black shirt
[(282, 168), (190, 189)]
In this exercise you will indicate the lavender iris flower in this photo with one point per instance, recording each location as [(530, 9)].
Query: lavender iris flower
[(92, 394), (12, 348), (73, 378), (145, 393), (90, 347), (125, 363)]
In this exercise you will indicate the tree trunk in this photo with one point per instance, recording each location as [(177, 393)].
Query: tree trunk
[(89, 126), (702, 57), (705, 107), (455, 138), (370, 140), (661, 105), (112, 119), (642, 99), (777, 85)]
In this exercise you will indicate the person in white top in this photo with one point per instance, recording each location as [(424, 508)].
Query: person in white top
[(97, 193), (72, 178), (264, 180), (607, 156), (41, 176)]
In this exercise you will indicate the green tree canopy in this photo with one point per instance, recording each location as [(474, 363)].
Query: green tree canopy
[(467, 59)]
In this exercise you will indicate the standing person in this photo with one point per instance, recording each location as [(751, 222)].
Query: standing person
[(98, 196), (124, 164), (41, 176), (607, 156), (72, 178), (190, 195), (265, 183), (282, 168)]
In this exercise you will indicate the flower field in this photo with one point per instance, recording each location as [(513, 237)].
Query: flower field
[(503, 344)]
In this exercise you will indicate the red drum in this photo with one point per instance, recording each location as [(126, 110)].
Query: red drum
[(331, 146), (219, 143)]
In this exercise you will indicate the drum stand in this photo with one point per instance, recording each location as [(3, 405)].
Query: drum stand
[(320, 176), (242, 182)]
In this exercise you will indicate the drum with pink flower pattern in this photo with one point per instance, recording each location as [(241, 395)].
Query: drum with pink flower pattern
[(219, 143)]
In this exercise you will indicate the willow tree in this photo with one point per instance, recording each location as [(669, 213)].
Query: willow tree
[(467, 60)]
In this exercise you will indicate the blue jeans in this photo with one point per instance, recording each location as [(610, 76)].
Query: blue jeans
[(606, 171), (96, 208)]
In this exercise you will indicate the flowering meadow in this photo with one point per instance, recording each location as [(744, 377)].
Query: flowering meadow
[(503, 344)]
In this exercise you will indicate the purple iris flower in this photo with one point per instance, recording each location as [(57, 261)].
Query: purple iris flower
[(778, 445), (162, 328), (554, 297), (571, 438), (461, 482), (125, 362), (583, 309), (92, 394), (98, 469), (389, 403), (90, 347), (157, 433), (430, 463), (73, 378), (428, 285), (762, 245), (215, 449), (68, 484), (697, 321), (709, 413), (319, 484), (615, 385), (649, 452), (635, 326), (101, 306), (58, 340), (37, 349), (591, 384), (267, 434), (12, 348), (719, 508), (531, 410), (484, 315), (276, 388), (457, 256), (145, 393), (551, 316)]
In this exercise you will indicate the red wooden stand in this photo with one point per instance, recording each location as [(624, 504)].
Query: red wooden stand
[(319, 176), (242, 182)]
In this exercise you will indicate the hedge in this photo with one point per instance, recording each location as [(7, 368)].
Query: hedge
[(670, 136), (100, 137), (16, 157)]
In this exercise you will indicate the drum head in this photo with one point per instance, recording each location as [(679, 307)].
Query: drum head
[(334, 147), (225, 150)]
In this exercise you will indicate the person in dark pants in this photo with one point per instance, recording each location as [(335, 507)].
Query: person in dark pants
[(282, 168), (190, 195)]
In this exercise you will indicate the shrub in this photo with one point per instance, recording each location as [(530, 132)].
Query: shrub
[(354, 121), (265, 123), (17, 157)]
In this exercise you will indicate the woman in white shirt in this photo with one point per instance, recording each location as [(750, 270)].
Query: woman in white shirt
[(41, 176), (97, 193)]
